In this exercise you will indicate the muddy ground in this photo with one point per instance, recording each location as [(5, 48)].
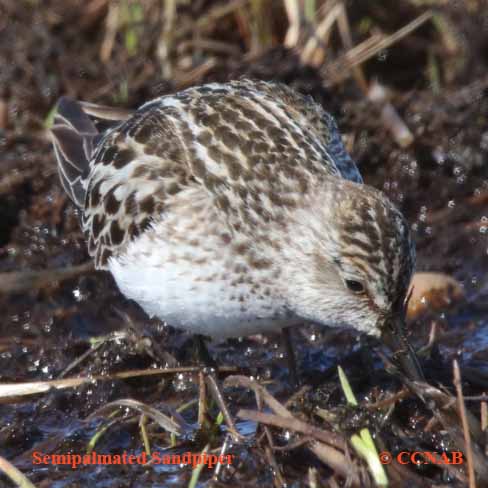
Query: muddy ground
[(438, 83)]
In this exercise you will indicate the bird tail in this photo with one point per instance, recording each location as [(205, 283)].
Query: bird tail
[(74, 136)]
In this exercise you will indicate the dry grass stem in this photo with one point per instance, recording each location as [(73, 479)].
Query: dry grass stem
[(14, 474), (346, 36), (211, 17), (465, 424), (202, 399), (14, 390), (111, 27), (293, 12), (212, 384), (314, 51), (339, 463), (484, 416), (189, 78), (260, 391), (340, 69), (164, 421), (295, 425)]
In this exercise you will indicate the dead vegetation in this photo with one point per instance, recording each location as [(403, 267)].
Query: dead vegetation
[(408, 86)]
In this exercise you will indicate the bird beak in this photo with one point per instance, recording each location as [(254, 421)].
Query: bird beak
[(395, 338)]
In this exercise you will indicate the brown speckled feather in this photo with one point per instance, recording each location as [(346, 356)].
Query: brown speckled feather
[(254, 147)]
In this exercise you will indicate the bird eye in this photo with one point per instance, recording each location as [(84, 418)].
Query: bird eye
[(355, 286)]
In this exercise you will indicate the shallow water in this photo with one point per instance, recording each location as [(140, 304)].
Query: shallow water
[(440, 183)]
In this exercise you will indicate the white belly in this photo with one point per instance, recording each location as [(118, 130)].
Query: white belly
[(194, 287)]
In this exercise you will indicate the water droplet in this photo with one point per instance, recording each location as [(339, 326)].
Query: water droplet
[(484, 141), (47, 326)]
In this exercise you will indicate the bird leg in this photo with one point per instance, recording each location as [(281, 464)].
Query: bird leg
[(202, 355), (208, 381), (290, 356)]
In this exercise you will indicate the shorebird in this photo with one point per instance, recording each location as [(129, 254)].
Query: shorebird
[(234, 209)]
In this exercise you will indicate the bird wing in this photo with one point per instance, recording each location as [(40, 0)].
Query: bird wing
[(137, 166), (74, 136)]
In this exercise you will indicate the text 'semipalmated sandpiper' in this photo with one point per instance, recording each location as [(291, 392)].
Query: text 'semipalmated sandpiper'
[(233, 209)]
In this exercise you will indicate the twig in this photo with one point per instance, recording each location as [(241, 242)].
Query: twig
[(391, 120), (202, 402), (12, 390), (209, 45), (476, 398), (326, 453), (484, 416), (312, 478), (431, 341), (403, 393), (294, 424), (87, 353), (464, 420), (20, 281), (292, 445), (278, 479), (3, 114), (484, 423)]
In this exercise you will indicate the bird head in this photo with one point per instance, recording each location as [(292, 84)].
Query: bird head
[(350, 259)]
